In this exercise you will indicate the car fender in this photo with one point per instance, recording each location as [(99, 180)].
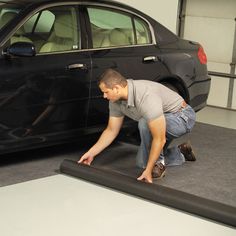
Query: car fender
[(176, 84), (181, 65)]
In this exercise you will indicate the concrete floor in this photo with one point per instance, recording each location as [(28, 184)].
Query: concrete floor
[(62, 205), (219, 117)]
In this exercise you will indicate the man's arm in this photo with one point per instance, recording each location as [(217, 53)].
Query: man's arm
[(106, 138), (158, 131)]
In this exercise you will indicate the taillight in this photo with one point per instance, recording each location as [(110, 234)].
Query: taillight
[(202, 55)]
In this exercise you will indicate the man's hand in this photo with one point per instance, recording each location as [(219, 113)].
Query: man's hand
[(86, 159), (157, 128), (106, 138), (146, 176)]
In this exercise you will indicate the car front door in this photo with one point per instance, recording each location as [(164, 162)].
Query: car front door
[(45, 97), (125, 43)]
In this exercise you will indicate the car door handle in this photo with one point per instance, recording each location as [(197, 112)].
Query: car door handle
[(77, 66), (150, 59)]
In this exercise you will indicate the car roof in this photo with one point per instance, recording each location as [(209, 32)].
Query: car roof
[(39, 1), (165, 37)]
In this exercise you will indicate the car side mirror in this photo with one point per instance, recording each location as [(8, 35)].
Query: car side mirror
[(21, 49)]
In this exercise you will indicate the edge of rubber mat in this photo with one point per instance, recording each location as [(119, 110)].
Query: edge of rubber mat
[(180, 200)]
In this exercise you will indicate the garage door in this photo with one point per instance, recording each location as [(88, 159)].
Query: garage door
[(212, 23)]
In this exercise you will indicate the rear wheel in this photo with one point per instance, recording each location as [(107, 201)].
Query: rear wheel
[(170, 86), (177, 87)]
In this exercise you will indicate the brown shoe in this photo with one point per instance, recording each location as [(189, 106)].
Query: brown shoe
[(187, 151), (158, 171)]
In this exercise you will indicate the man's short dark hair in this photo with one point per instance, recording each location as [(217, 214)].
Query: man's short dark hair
[(111, 78)]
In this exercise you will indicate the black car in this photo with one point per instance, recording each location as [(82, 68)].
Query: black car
[(53, 51)]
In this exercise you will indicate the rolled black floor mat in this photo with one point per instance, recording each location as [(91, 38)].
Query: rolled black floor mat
[(157, 193)]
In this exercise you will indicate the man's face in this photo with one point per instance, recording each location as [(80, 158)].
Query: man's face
[(108, 93)]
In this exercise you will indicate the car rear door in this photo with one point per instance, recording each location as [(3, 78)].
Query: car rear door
[(125, 43), (45, 97)]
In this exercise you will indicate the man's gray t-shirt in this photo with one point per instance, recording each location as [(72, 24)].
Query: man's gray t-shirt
[(146, 99)]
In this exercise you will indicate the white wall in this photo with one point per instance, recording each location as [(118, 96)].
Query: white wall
[(164, 11)]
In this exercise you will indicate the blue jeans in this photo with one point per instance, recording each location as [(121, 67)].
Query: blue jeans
[(177, 124)]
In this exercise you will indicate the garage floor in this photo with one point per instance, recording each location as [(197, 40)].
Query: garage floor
[(37, 200)]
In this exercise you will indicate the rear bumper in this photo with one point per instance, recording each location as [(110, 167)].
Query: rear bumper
[(199, 91)]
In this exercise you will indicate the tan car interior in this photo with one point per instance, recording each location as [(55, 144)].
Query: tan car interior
[(115, 37), (63, 36), (19, 35)]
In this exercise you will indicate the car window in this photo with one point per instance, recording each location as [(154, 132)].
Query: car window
[(44, 25), (142, 31), (51, 30), (120, 30), (110, 28)]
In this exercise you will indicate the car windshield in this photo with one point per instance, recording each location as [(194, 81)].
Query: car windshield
[(8, 12)]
